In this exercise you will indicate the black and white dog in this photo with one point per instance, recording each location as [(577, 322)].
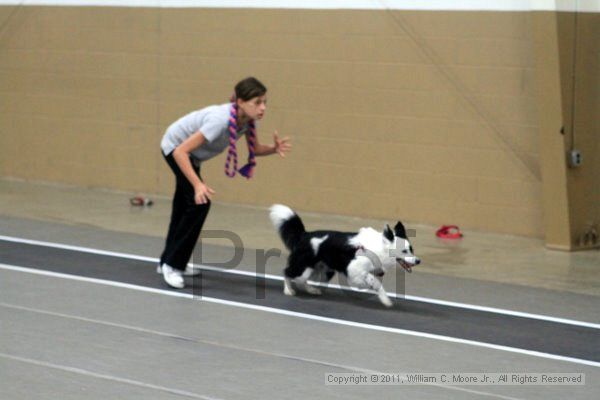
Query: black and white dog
[(361, 256)]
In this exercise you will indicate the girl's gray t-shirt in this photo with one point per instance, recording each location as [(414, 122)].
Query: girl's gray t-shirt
[(212, 121)]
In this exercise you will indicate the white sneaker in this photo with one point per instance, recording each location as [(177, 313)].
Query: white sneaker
[(173, 277), (189, 270)]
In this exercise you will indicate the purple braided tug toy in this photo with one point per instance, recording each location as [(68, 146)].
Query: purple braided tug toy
[(248, 169)]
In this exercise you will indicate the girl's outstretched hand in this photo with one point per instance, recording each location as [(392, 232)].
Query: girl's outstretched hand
[(282, 146)]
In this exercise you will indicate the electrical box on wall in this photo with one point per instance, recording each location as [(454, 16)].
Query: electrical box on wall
[(574, 158)]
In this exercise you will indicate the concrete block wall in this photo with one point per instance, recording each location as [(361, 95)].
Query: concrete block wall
[(425, 116)]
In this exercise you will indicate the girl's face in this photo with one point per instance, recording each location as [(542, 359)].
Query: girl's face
[(255, 107)]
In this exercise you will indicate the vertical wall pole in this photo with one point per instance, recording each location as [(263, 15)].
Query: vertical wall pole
[(552, 119)]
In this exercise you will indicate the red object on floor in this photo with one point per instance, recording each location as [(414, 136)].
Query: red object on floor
[(449, 232), (140, 201)]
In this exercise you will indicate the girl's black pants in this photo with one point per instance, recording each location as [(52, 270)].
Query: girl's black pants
[(187, 219)]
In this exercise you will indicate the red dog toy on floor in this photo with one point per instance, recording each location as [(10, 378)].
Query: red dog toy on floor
[(140, 201), (449, 232)]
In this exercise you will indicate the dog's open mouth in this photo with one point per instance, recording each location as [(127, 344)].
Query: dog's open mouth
[(407, 267)]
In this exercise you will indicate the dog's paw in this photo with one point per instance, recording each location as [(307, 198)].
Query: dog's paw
[(313, 290), (288, 290), (385, 301)]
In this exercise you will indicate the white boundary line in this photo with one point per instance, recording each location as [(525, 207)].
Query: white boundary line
[(429, 5), (239, 348), (302, 315), (111, 378), (466, 306)]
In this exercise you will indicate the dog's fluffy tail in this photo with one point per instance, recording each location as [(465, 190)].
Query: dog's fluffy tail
[(288, 224)]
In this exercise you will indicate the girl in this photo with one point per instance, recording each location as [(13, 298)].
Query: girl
[(198, 137)]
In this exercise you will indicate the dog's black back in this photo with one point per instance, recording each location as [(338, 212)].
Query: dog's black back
[(334, 251), (312, 249)]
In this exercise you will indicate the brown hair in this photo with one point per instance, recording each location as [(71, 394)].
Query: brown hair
[(249, 88)]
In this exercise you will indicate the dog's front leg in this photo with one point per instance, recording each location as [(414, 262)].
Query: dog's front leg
[(359, 275), (376, 285)]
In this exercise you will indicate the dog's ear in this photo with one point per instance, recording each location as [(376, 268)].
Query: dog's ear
[(400, 231), (388, 233)]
